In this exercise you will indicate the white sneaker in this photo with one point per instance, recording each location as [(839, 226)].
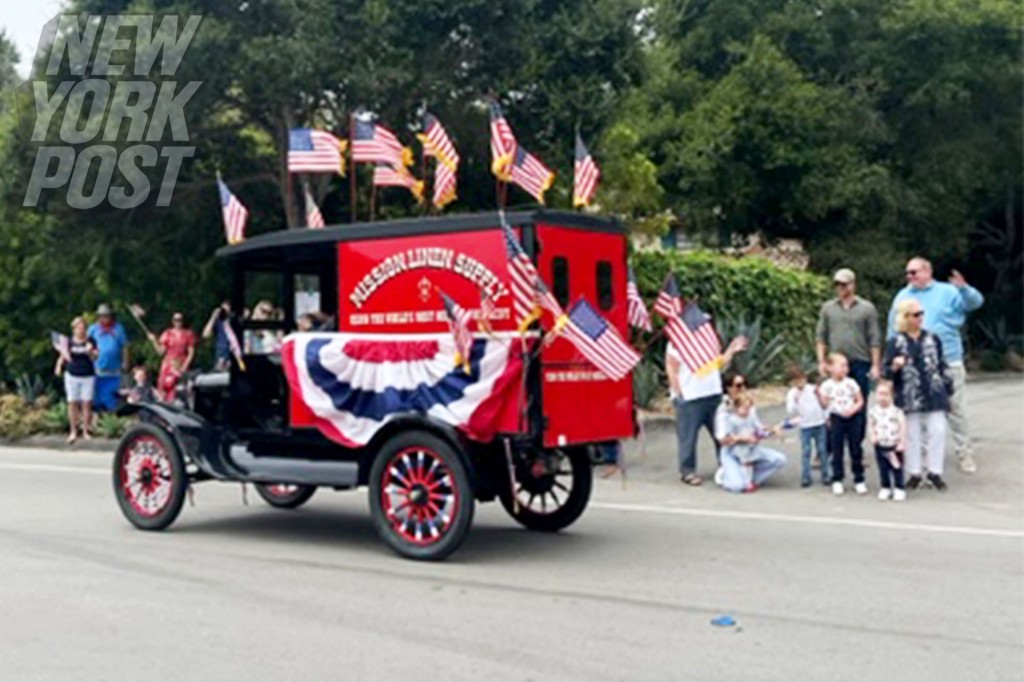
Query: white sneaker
[(837, 488), (861, 488), (967, 464), (719, 476), (899, 495), (884, 494)]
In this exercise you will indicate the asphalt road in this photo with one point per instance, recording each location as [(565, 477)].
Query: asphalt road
[(822, 588)]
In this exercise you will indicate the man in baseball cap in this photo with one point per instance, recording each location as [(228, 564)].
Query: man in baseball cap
[(112, 344), (848, 324)]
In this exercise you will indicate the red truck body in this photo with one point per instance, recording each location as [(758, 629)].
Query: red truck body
[(387, 285)]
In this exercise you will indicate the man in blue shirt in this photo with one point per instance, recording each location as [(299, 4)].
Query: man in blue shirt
[(112, 344), (945, 311)]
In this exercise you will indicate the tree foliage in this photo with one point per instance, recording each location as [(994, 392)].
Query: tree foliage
[(870, 130)]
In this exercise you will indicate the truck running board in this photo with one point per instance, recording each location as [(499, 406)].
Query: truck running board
[(295, 471)]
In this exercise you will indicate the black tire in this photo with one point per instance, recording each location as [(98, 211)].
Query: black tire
[(149, 477), (283, 496), (538, 481), (421, 499)]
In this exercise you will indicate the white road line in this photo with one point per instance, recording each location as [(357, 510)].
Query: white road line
[(676, 511), (819, 520), (54, 467)]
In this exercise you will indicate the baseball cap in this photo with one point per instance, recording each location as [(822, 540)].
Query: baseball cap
[(844, 276), (104, 309)]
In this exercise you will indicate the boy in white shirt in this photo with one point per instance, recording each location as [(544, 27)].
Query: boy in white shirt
[(841, 396), (803, 405), (887, 426)]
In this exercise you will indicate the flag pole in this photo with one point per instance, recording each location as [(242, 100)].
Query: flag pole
[(352, 166)]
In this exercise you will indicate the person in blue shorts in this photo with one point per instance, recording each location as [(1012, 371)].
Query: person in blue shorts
[(112, 344)]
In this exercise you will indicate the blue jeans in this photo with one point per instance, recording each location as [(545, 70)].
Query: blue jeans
[(691, 416), (737, 476), (814, 436)]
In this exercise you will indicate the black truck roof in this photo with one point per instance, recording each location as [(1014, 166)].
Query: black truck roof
[(306, 240)]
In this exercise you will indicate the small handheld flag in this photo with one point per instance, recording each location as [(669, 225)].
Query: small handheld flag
[(315, 151), (373, 143), (62, 344), (636, 311), (598, 342), (314, 219), (585, 175), (390, 176), (503, 144), (233, 344), (688, 328), (458, 322), (233, 213), (530, 174), (523, 277)]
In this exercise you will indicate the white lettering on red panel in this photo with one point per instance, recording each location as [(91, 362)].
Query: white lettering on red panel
[(427, 257)]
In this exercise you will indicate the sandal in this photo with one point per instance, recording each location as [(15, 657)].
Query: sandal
[(692, 479)]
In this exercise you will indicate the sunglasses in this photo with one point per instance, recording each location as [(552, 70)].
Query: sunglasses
[(739, 384), (919, 313), (911, 273)]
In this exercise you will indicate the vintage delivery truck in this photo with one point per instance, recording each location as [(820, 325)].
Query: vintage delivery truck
[(346, 378)]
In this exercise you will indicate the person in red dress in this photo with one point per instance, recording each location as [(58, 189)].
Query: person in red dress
[(177, 346)]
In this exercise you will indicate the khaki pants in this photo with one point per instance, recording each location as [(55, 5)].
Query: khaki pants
[(958, 412)]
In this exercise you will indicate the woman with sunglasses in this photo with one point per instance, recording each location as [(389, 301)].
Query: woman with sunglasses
[(915, 363), (177, 346)]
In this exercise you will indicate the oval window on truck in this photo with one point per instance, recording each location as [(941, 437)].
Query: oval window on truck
[(605, 294), (560, 279)]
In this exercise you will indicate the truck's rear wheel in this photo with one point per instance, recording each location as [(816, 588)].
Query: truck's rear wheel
[(149, 477), (551, 489), (420, 496), (285, 495)]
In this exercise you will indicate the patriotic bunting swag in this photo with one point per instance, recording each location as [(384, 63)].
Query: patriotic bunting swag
[(355, 384)]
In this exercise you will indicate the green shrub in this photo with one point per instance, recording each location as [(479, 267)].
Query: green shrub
[(109, 425), (786, 300), (648, 379)]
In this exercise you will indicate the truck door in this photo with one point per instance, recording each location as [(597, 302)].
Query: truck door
[(580, 403)]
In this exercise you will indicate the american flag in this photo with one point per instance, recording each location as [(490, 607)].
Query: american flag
[(487, 310), (62, 345), (436, 142), (530, 174), (597, 340), (523, 277), (546, 300), (636, 308), (503, 144), (315, 151), (689, 328), (585, 175), (373, 143), (458, 322), (233, 212), (389, 176), (445, 183), (314, 219), (233, 344)]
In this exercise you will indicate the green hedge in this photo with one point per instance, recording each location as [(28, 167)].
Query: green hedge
[(787, 300)]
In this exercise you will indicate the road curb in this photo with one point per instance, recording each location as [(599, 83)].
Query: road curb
[(60, 443)]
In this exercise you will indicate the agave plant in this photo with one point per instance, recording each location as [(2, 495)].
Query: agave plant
[(647, 383), (760, 361), (30, 388)]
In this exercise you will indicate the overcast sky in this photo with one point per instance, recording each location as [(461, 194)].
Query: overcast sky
[(22, 21)]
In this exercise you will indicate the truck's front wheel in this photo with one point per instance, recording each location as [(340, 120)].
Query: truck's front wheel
[(551, 489), (420, 496)]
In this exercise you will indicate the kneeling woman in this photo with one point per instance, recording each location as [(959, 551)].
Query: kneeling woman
[(746, 463)]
